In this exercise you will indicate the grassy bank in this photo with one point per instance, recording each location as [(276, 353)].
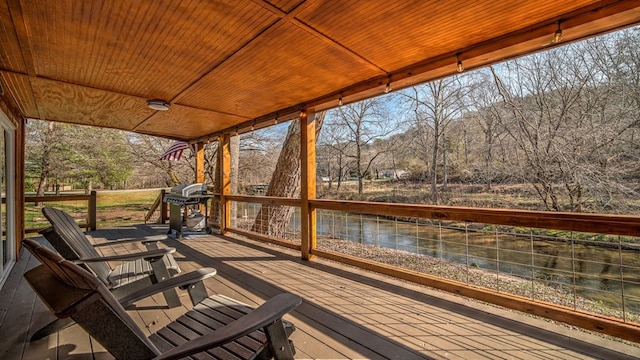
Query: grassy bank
[(114, 208), (510, 196)]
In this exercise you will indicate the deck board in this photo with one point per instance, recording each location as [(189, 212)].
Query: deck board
[(346, 312)]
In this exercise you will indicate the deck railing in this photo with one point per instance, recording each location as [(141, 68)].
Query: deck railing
[(90, 223), (583, 269), (160, 206)]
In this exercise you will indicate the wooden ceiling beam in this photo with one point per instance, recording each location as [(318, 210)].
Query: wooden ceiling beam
[(291, 17), (536, 38)]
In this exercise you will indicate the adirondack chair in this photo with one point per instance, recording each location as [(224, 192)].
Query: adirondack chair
[(217, 325), (135, 271)]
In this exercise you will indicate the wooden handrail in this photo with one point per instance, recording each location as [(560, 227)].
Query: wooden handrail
[(90, 198), (579, 222), (50, 198), (154, 206)]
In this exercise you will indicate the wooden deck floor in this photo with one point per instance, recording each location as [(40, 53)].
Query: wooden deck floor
[(346, 313)]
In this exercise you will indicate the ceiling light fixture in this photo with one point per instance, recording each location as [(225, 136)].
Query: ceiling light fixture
[(160, 105), (459, 65), (557, 36)]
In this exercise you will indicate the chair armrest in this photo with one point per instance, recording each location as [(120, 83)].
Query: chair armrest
[(266, 314), (144, 240), (149, 255), (176, 281)]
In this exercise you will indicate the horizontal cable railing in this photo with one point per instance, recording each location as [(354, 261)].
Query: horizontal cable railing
[(580, 263), (272, 219), (596, 276)]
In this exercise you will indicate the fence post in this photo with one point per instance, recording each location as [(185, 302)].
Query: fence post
[(163, 207), (91, 211)]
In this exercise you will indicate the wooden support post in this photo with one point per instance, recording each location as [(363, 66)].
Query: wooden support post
[(92, 217), (164, 209), (200, 168), (308, 182), (224, 157)]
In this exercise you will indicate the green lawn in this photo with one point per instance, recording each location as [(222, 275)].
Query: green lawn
[(113, 208)]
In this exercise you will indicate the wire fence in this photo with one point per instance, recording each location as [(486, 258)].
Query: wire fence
[(596, 273)]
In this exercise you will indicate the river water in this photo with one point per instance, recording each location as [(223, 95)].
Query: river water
[(592, 269)]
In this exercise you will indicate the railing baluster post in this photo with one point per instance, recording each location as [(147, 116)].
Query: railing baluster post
[(395, 219), (624, 309), (466, 248), (497, 262), (573, 272), (361, 240), (440, 248), (417, 236), (346, 226), (164, 207), (91, 211), (378, 229), (533, 268)]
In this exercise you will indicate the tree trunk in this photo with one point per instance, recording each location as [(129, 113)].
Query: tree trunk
[(47, 146), (234, 149), (359, 167), (434, 169), (444, 164), (274, 220), (285, 182)]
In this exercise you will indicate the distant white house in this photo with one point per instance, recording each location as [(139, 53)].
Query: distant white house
[(393, 174)]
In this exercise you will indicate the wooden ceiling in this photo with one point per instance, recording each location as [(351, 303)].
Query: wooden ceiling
[(226, 65)]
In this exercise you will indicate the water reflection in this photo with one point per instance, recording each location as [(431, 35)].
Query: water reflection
[(593, 271), (588, 269)]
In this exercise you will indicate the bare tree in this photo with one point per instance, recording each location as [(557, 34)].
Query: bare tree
[(361, 123), (567, 120), (40, 148), (486, 118), (332, 154), (435, 105), (149, 149)]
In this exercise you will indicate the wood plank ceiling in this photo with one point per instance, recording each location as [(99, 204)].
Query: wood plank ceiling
[(227, 64)]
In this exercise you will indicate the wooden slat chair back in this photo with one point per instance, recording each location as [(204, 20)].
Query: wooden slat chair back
[(83, 297), (135, 271), (72, 244), (218, 325), (75, 241)]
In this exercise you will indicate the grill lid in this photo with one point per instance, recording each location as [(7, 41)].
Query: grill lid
[(189, 190)]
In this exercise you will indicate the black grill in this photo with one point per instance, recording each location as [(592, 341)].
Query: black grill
[(179, 199)]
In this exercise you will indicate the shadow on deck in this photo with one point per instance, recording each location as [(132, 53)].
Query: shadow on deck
[(346, 313)]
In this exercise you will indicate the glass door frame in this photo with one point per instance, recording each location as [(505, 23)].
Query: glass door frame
[(10, 159)]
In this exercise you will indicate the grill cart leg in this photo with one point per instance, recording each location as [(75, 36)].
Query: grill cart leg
[(175, 220)]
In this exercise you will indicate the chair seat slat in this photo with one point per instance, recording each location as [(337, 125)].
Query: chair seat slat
[(247, 342)]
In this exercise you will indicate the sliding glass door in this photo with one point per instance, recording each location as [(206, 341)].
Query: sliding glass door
[(7, 189)]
